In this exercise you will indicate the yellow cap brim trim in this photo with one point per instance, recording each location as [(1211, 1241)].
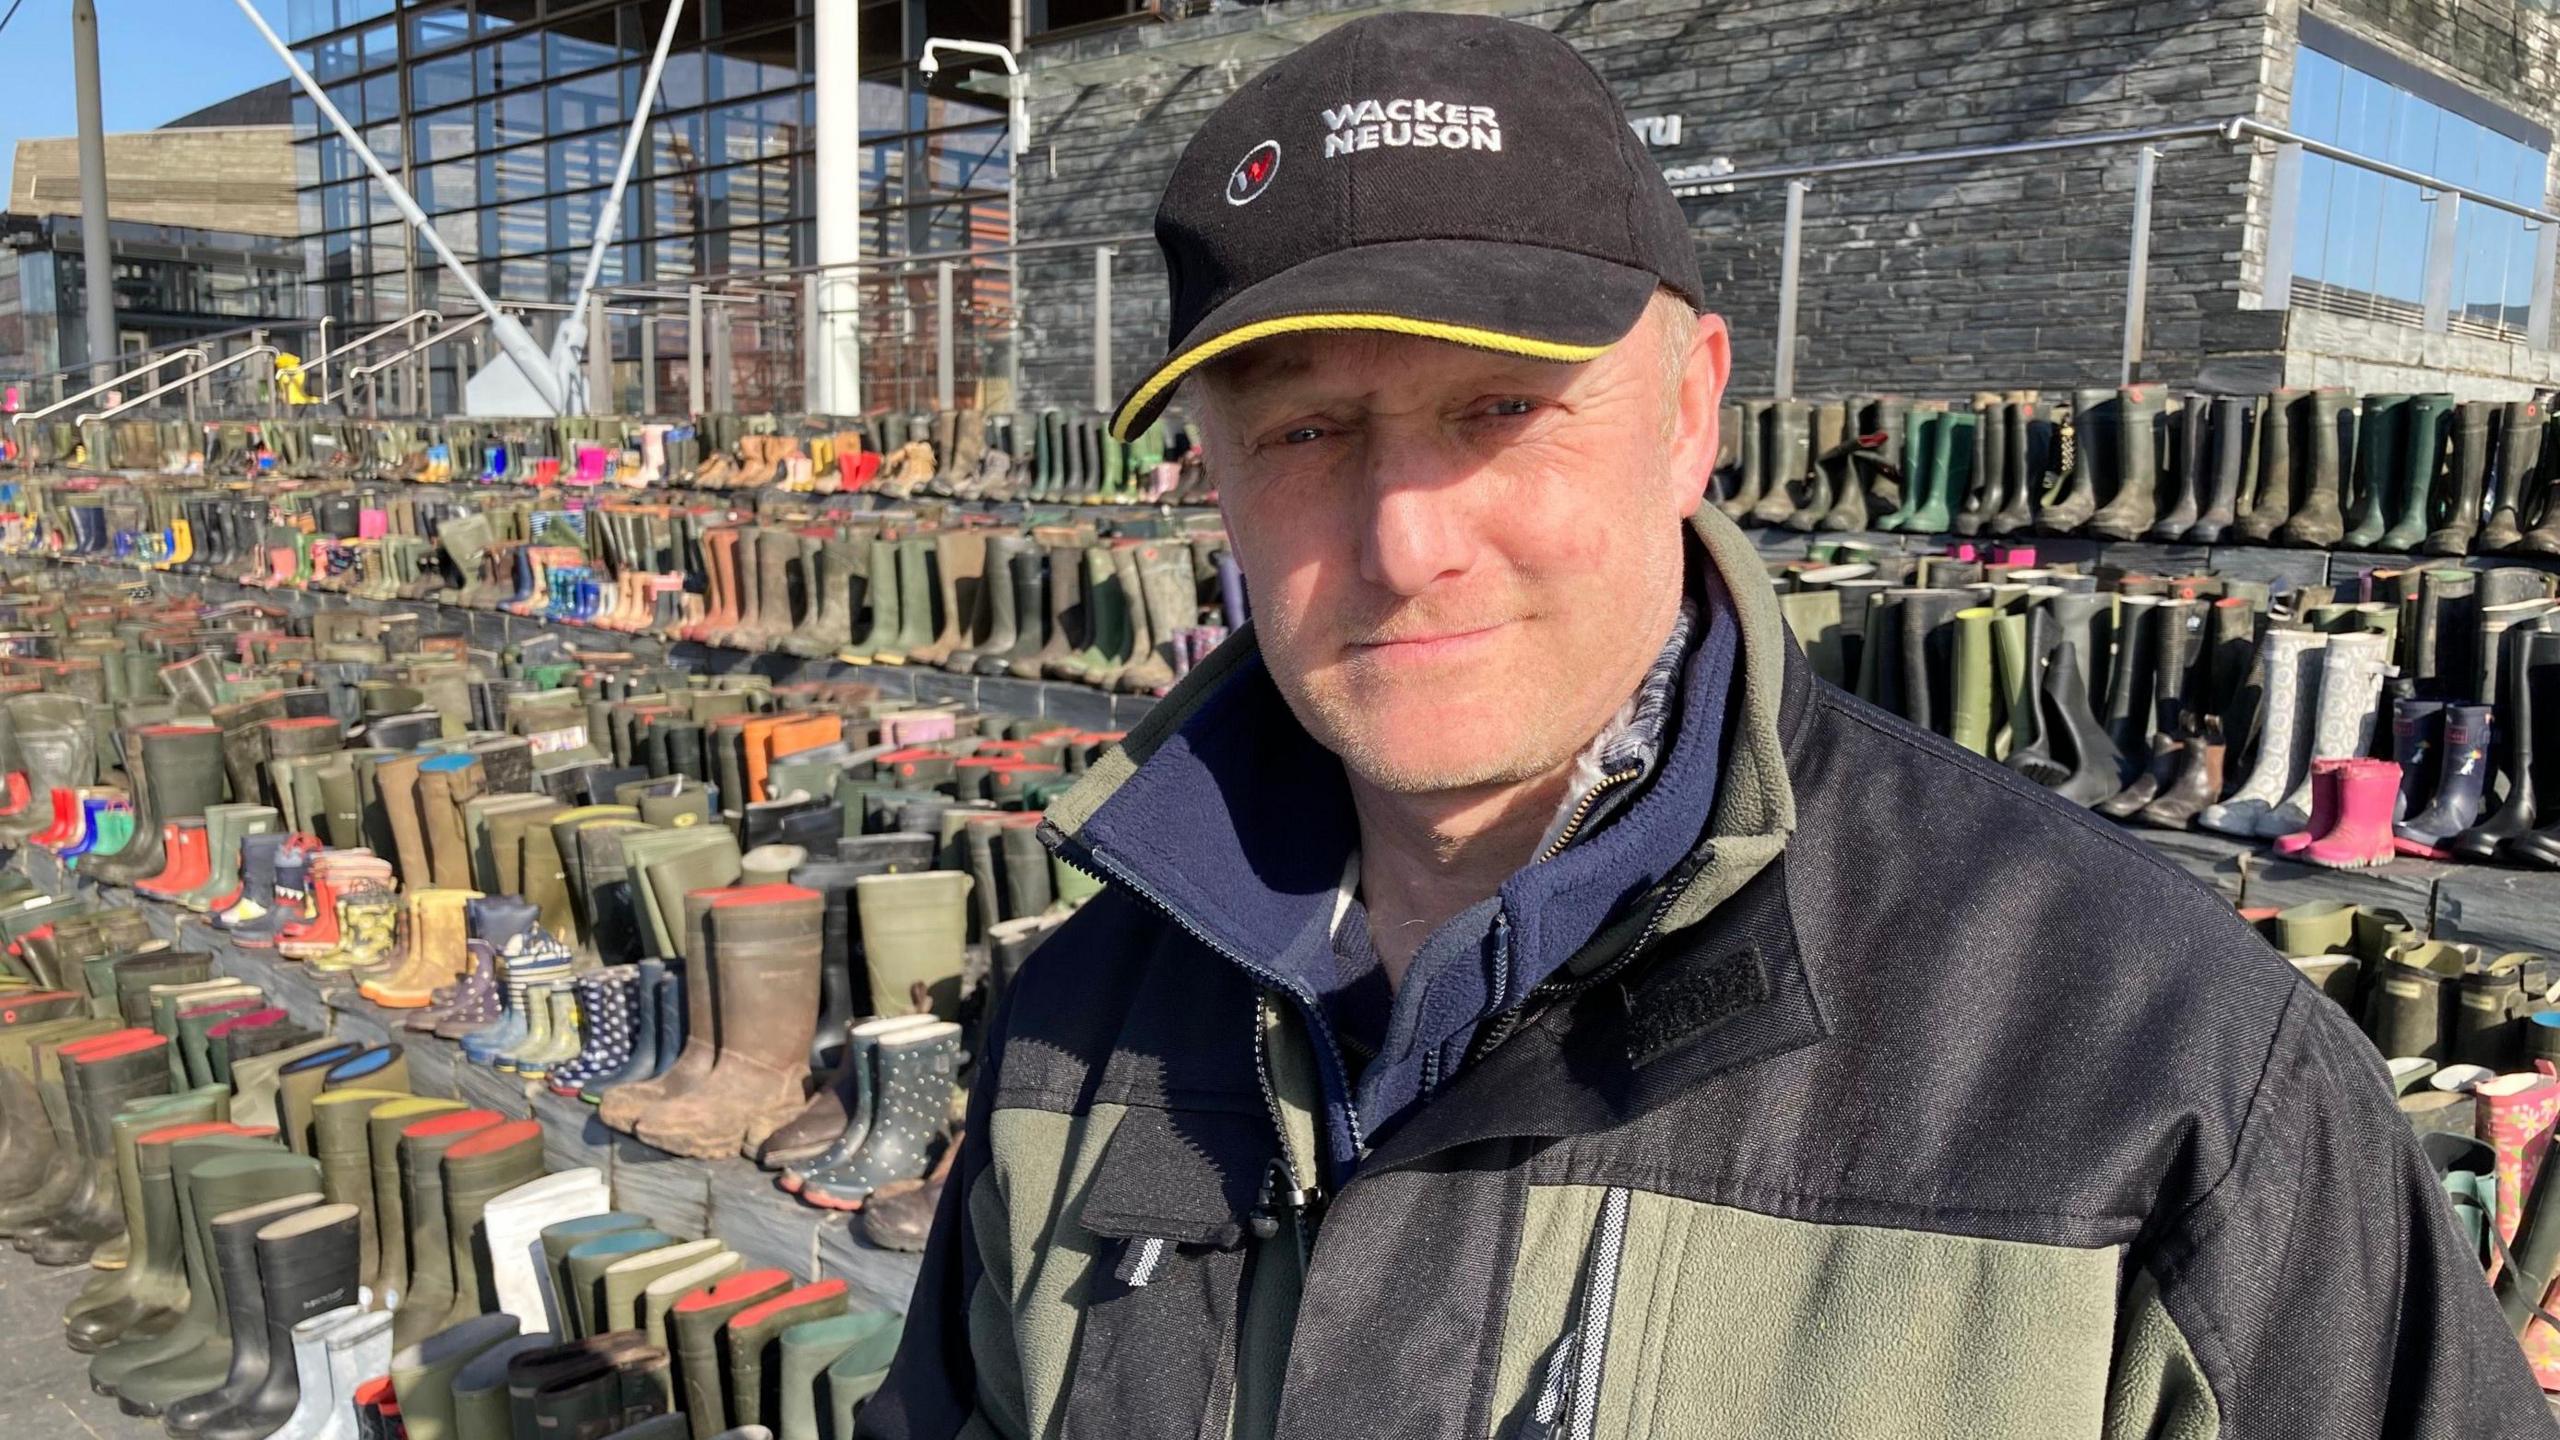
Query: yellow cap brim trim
[(1171, 372)]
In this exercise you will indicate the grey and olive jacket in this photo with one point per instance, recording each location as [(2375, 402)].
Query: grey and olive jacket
[(1913, 1102)]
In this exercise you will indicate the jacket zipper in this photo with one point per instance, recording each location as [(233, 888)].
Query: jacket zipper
[(1569, 1398), (1582, 812), (1554, 990), (1269, 978)]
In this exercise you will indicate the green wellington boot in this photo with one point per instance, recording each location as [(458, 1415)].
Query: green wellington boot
[(582, 1274), (2377, 465), (751, 1344), (151, 1280), (599, 1386), (700, 1375), (559, 1238), (914, 929), (2426, 429), (669, 1290), (857, 1374), (256, 1079), (341, 1140), (620, 1288), (477, 1169), (431, 1275), (383, 1126), (479, 1400), (805, 1351), (422, 1375), (214, 1176), (163, 1290), (1971, 723)]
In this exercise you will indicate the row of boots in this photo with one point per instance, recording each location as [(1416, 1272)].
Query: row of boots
[(1050, 457), (2399, 718), (2321, 468), (289, 1242)]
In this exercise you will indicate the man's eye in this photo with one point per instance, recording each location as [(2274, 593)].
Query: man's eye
[(1301, 434), (1510, 407)]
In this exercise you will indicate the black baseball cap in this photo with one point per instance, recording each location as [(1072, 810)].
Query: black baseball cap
[(1457, 177)]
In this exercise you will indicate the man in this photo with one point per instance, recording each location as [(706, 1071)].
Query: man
[(1526, 1003)]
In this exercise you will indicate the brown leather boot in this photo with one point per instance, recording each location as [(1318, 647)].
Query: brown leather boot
[(442, 789)]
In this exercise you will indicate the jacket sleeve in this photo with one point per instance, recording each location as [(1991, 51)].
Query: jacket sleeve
[(935, 1389), (2320, 1287)]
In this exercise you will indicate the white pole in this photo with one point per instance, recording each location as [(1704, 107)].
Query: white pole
[(839, 206), (609, 219)]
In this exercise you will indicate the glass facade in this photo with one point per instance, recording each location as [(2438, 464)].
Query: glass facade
[(173, 285), (2361, 239), (506, 119)]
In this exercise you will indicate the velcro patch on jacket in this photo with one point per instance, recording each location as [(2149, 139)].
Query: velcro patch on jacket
[(1672, 1007)]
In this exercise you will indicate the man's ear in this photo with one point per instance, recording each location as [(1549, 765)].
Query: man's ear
[(1693, 434)]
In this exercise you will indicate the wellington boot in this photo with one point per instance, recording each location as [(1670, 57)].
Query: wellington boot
[(234, 1236), (913, 928), (2090, 433), (2322, 439), (480, 1388), (2519, 462), (177, 773), (686, 882), (2476, 423), (2528, 725), (660, 1297), (150, 1289), (751, 1345), (213, 1175), (422, 1375), (2426, 431), (1753, 473), (764, 957), (880, 595), (437, 955), (912, 1071), (2291, 661), (699, 1321), (341, 1140), (2189, 463), (796, 1363), (2134, 508), (623, 1283), (2351, 674), (858, 1373), (477, 1169), (560, 1239), (348, 1347), (1002, 627), (829, 626), (307, 1269), (423, 1146), (856, 1085), (1786, 463), (582, 1268), (56, 740), (384, 1123), (94, 1213), (257, 1080), (1063, 586), (2095, 768), (225, 827), (2462, 777), (2362, 835), (2380, 462)]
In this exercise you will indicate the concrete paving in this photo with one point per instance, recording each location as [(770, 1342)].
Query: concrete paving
[(44, 1386)]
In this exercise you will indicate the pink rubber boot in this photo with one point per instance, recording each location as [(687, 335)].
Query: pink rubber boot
[(2362, 835), (2324, 808)]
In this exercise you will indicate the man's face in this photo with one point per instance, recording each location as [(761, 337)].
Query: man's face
[(1461, 562)]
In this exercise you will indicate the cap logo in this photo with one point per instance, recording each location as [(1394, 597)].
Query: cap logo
[(1253, 173), (1414, 123)]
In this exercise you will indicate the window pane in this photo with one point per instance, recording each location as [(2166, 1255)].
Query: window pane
[(757, 129), (446, 136), (440, 80), (583, 44), (513, 61), (381, 98), (382, 45), (753, 65), (517, 174), (675, 144), (584, 160), (2363, 240), (449, 187), (436, 26), (585, 101)]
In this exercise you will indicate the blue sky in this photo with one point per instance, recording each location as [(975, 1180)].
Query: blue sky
[(158, 59)]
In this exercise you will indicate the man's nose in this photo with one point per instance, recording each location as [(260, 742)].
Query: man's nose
[(1420, 528)]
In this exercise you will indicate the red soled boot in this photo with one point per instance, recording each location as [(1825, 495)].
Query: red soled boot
[(2324, 808), (2362, 835), (190, 862)]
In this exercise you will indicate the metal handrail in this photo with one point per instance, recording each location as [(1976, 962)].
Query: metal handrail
[(313, 367), (367, 338), (882, 262), (442, 334), (180, 383), (2233, 131), (191, 342), (29, 417)]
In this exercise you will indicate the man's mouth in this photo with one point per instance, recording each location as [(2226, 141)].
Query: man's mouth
[(1427, 644)]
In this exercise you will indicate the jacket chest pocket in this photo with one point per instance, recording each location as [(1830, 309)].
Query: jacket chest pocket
[(1639, 1314), (1168, 1210)]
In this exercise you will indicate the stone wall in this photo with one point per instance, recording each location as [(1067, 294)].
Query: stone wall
[(236, 179), (1999, 274)]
